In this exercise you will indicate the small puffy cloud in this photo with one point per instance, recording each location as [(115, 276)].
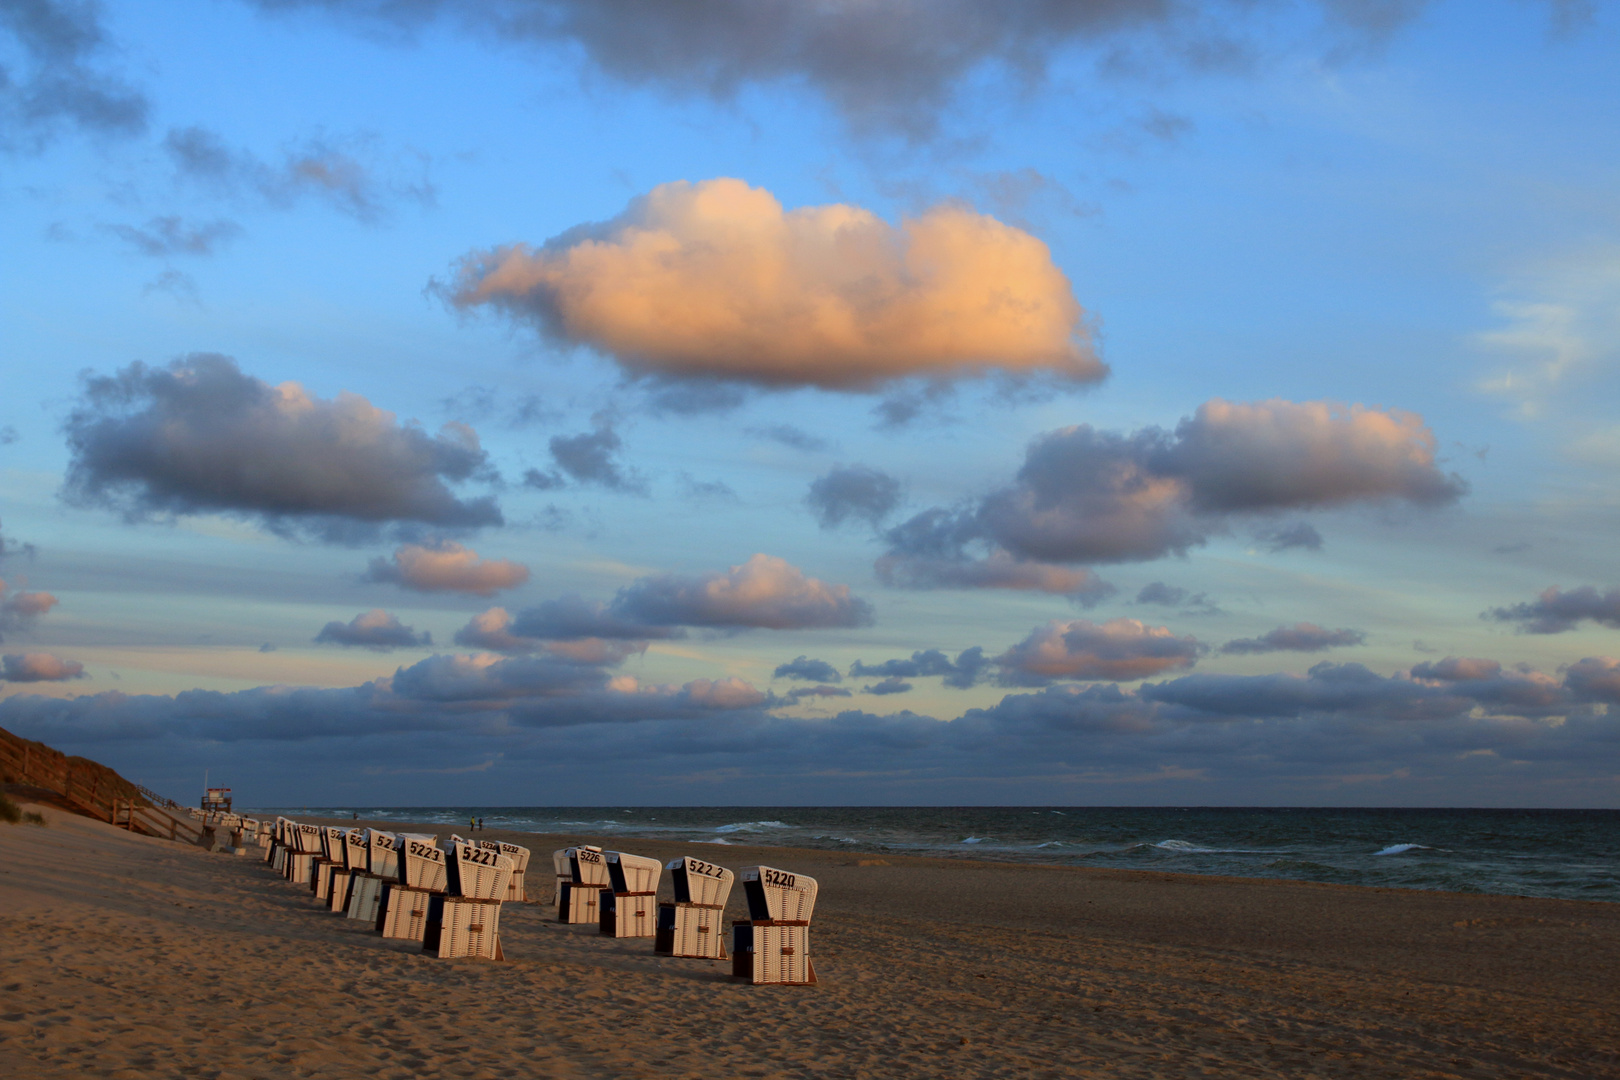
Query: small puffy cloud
[(589, 459), (853, 493), (802, 667), (447, 567), (19, 609), (1119, 649), (1555, 610), (923, 662), (1596, 678), (1300, 637), (892, 685), (969, 667), (714, 280), (38, 667), (375, 629), (765, 592), (493, 631), (1085, 495), (1157, 592), (1280, 538), (200, 436)]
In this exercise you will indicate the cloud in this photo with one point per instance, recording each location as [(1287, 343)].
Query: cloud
[(802, 667), (821, 691), (38, 667), (61, 81), (1119, 649), (885, 68), (969, 667), (791, 437), (708, 489), (853, 493), (588, 458), (998, 571), (1085, 495), (162, 237), (1300, 637), (1280, 538), (1555, 611), (573, 618), (18, 610), (1596, 678), (331, 171), (447, 567), (561, 622), (892, 685), (1158, 592), (714, 280), (1339, 728), (765, 592), (375, 629), (200, 436)]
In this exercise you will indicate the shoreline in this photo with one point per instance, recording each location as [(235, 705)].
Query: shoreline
[(128, 955), (1100, 859)]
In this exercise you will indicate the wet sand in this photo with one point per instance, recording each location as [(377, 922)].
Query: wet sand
[(125, 956)]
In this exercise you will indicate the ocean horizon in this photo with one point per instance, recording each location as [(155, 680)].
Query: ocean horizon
[(1568, 854)]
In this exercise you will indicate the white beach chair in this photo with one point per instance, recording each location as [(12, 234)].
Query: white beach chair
[(403, 910), (579, 896), (629, 907), (773, 944), (516, 891), (693, 925), (466, 920)]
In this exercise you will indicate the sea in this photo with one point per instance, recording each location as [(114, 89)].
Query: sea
[(1572, 854)]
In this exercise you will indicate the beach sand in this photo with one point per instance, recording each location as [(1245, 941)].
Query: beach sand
[(125, 956)]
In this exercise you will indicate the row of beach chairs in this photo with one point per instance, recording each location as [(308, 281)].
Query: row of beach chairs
[(449, 897)]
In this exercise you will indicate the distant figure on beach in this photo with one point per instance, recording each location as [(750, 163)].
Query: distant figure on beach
[(357, 815), (480, 824), (472, 824)]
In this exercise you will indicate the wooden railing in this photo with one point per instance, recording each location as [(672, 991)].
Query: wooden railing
[(92, 789)]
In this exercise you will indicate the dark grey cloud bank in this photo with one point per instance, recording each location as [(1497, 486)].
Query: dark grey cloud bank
[(201, 436), (1340, 732), (1557, 610), (64, 80), (1090, 496), (802, 667), (891, 66)]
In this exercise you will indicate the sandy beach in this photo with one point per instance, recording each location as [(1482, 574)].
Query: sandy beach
[(126, 956)]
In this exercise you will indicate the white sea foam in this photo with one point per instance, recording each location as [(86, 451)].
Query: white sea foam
[(750, 826), (1401, 849), (976, 839), (1181, 845)]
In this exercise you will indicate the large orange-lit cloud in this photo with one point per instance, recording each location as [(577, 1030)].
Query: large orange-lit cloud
[(715, 280)]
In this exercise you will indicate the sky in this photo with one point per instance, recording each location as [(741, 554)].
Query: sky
[(767, 402)]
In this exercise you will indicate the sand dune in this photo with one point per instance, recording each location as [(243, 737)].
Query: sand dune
[(125, 956)]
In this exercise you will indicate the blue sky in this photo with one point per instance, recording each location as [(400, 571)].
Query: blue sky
[(1196, 403)]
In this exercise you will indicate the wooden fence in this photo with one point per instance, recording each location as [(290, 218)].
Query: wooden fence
[(90, 788)]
